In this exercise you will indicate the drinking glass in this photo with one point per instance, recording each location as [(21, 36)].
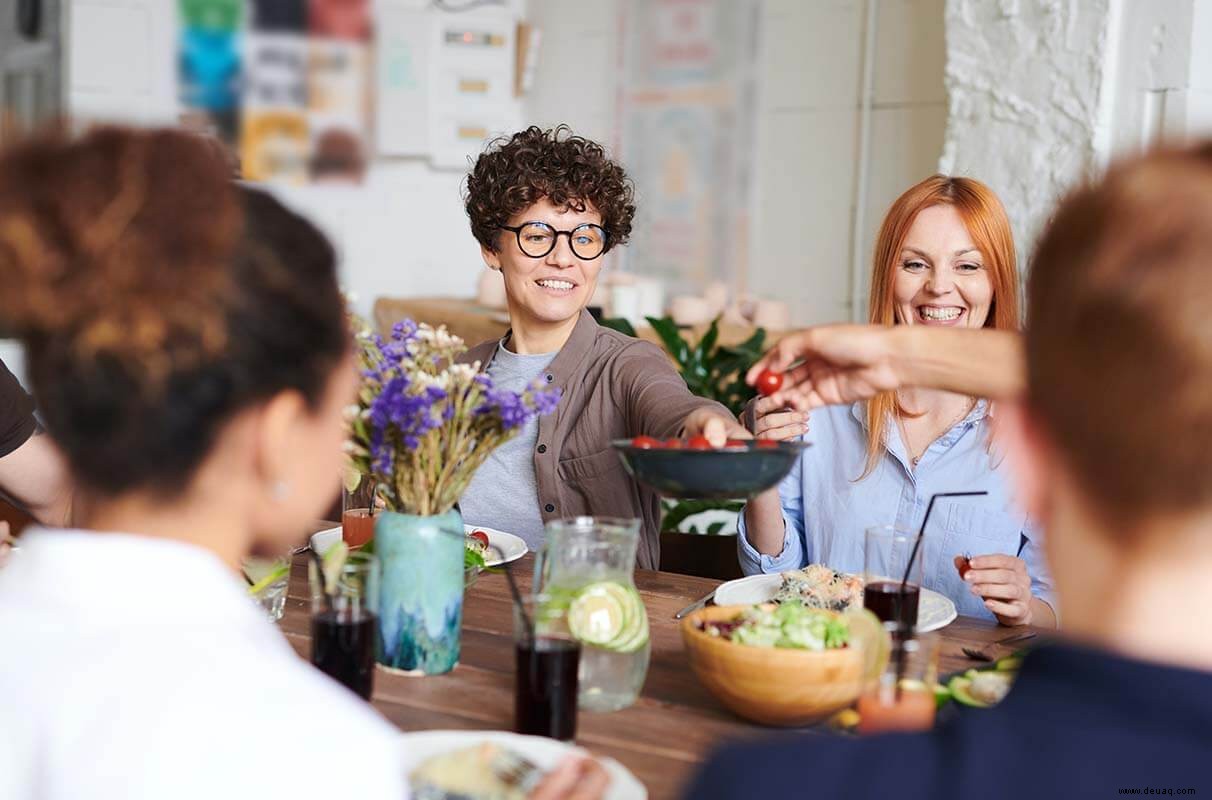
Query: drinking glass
[(357, 518), (547, 657), (904, 701), (268, 579), (344, 622), (886, 553)]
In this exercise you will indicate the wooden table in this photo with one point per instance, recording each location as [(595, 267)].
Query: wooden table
[(672, 727)]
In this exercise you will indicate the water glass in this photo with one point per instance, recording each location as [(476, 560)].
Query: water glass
[(268, 579), (902, 701), (344, 622), (886, 553), (547, 658)]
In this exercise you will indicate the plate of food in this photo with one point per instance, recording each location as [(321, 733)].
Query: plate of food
[(818, 586), (692, 468), (487, 544), (466, 764)]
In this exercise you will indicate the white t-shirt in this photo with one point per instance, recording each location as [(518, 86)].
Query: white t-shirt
[(137, 668)]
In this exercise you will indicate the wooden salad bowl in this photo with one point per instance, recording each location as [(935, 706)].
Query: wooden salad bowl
[(772, 686)]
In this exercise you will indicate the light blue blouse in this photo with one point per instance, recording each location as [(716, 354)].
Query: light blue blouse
[(826, 511)]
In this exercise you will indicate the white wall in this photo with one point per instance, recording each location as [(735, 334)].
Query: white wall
[(403, 233), (807, 131), (1044, 93)]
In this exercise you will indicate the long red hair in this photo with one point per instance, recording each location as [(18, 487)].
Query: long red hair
[(987, 224)]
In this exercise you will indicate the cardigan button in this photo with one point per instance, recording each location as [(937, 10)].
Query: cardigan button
[(542, 448), (549, 508)]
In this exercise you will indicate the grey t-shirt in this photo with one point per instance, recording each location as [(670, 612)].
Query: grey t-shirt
[(503, 493)]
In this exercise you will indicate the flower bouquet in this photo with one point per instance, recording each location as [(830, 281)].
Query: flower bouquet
[(421, 427)]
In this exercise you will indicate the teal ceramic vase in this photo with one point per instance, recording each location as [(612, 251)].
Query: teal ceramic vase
[(421, 592)]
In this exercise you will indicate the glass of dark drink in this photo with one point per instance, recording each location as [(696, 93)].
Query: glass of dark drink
[(886, 554), (547, 658), (345, 623)]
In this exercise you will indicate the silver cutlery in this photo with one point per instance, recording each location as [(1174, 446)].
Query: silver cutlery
[(696, 605), (985, 653)]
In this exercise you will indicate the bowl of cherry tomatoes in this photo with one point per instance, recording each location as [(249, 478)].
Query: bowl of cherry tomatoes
[(693, 469)]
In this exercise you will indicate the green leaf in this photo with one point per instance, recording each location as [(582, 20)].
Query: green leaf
[(672, 339), (680, 511), (714, 528), (619, 324)]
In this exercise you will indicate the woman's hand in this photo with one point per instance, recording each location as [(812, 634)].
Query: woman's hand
[(768, 419), (1004, 584), (716, 427)]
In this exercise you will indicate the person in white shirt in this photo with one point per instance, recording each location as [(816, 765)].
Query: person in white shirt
[(187, 345)]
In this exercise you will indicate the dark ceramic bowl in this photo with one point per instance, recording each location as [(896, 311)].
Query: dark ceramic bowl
[(738, 471)]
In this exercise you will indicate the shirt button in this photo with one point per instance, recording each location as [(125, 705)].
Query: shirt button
[(549, 508), (542, 448)]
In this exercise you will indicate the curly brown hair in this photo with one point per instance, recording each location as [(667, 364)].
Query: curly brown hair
[(515, 172)]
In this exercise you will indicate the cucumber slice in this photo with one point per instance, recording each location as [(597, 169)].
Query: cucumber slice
[(636, 635), (959, 686), (600, 613), (1009, 664)]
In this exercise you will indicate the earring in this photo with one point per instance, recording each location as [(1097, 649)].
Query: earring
[(280, 490)]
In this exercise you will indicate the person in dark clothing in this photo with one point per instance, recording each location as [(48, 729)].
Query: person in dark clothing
[(1111, 442), (31, 471)]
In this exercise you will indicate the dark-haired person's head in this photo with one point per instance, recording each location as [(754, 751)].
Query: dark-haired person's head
[(545, 206), (1118, 420), (186, 337)]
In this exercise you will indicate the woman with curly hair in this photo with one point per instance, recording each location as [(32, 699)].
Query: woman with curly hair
[(545, 206)]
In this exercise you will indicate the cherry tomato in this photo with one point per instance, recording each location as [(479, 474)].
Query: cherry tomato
[(698, 443), (767, 443), (674, 444), (962, 565), (479, 536), (646, 443), (735, 443), (769, 382)]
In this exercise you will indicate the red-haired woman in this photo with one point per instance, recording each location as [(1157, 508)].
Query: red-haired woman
[(944, 257)]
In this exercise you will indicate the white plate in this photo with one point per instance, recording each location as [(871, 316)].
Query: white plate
[(418, 746), (512, 547), (934, 610)]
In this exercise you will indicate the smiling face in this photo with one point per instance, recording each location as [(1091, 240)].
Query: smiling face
[(940, 276), (550, 290)]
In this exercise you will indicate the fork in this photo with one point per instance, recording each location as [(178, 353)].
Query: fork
[(984, 653), (516, 771)]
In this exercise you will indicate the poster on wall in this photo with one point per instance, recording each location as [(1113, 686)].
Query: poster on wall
[(284, 83), (338, 87), (208, 65), (687, 125)]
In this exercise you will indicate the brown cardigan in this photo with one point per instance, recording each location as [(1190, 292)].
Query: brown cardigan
[(614, 387)]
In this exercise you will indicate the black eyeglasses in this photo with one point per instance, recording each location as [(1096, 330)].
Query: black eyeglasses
[(537, 239)]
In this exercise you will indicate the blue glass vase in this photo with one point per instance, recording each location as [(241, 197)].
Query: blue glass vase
[(421, 592)]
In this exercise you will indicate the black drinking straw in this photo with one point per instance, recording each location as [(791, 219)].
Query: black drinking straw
[(904, 630), (517, 598)]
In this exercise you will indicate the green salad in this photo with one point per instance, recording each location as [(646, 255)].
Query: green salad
[(789, 624)]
